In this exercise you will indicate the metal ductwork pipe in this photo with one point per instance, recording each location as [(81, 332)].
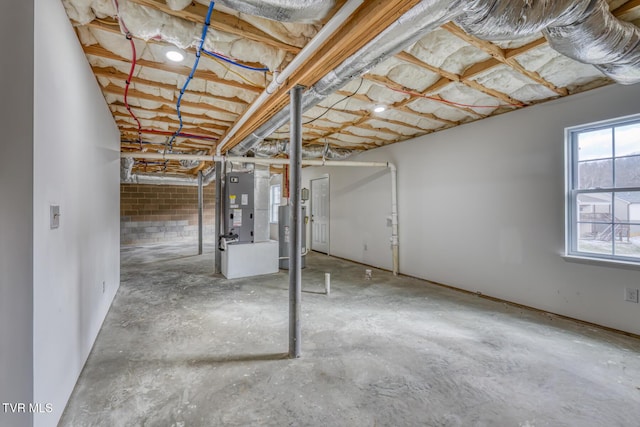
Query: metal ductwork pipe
[(270, 149), (599, 38), (156, 179), (190, 164), (583, 30), (509, 20), (126, 166), (282, 10)]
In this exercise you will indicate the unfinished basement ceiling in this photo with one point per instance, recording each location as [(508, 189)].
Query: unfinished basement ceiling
[(444, 79)]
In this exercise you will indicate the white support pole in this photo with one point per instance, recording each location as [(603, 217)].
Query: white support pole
[(327, 283)]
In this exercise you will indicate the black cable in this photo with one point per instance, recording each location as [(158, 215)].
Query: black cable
[(332, 105), (336, 103)]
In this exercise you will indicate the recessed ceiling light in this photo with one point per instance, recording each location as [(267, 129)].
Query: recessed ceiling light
[(174, 55), (379, 109)]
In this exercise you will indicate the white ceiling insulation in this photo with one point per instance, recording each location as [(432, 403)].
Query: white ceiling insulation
[(443, 78)]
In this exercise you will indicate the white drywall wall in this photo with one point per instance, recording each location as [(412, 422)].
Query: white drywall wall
[(360, 203), (16, 219), (76, 162), (481, 208)]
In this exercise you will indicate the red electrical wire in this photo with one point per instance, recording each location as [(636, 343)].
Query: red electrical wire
[(456, 104), (133, 67), (126, 87)]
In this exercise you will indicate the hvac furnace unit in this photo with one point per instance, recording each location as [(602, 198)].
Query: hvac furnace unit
[(239, 187)]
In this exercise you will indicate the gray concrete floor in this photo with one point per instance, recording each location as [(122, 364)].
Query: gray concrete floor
[(182, 347)]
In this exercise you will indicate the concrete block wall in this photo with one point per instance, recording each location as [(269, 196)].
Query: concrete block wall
[(164, 213)]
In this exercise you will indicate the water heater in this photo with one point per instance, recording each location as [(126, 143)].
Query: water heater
[(284, 232)]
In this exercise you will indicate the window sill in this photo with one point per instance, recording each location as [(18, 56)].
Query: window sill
[(602, 262)]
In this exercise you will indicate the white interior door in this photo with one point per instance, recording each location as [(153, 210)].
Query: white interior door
[(320, 215)]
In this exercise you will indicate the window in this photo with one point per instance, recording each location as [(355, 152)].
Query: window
[(603, 183), (274, 202)]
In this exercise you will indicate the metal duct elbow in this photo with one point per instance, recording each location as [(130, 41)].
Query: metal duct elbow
[(246, 144), (508, 20), (601, 39), (327, 152), (269, 149), (126, 166), (190, 164), (283, 10), (584, 30), (163, 179), (209, 176)]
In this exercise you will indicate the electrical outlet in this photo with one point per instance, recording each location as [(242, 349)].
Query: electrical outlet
[(631, 295)]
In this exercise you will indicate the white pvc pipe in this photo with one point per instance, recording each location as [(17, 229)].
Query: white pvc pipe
[(167, 156), (394, 218), (238, 159), (395, 245), (327, 283), (301, 58)]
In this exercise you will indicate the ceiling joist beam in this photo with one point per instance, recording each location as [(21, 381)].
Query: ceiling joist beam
[(499, 54), (427, 94), (125, 125), (99, 51), (133, 93), (407, 57), (169, 121), (113, 73), (626, 9), (132, 134), (211, 123)]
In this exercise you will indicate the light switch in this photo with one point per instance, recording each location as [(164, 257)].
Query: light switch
[(54, 213)]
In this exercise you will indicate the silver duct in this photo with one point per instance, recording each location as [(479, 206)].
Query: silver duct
[(599, 38), (509, 20), (282, 10), (270, 149), (156, 179), (126, 166), (584, 30), (423, 18), (127, 163), (190, 164)]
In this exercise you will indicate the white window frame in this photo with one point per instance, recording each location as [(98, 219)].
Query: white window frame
[(274, 202), (572, 192)]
